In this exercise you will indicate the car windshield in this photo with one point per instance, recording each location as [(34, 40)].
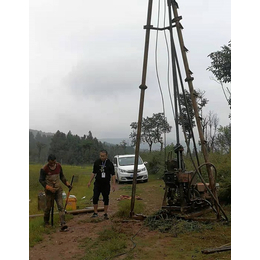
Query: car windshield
[(124, 161)]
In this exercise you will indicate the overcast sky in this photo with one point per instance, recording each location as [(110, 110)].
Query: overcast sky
[(85, 67), (86, 62)]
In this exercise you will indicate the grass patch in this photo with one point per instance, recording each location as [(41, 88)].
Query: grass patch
[(37, 229), (124, 208), (109, 243)]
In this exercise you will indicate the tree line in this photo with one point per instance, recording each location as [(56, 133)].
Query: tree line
[(71, 149), (218, 138)]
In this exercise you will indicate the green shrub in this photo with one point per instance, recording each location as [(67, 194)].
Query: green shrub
[(223, 166)]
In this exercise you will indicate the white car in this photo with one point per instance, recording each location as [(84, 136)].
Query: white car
[(124, 168)]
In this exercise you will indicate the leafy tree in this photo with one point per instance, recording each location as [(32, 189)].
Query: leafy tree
[(40, 146), (188, 109), (223, 139), (123, 145), (148, 132), (90, 136), (185, 110), (32, 147), (160, 126), (151, 130), (221, 63), (59, 147), (133, 134), (221, 68), (74, 149)]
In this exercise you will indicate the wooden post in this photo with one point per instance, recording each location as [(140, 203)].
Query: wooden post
[(189, 79), (143, 87)]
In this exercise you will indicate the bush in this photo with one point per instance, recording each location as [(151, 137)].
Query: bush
[(153, 166), (223, 166), (155, 162)]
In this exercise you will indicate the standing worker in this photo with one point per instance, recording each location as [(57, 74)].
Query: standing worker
[(50, 176), (103, 169)]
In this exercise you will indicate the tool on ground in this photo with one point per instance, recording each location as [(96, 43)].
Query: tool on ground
[(68, 193)]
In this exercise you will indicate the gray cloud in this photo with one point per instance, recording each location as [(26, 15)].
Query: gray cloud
[(106, 78)]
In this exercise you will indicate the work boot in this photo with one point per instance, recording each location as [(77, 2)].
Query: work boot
[(94, 215), (106, 216), (64, 227)]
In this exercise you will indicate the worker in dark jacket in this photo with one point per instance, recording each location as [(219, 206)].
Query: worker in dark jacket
[(103, 170), (51, 176)]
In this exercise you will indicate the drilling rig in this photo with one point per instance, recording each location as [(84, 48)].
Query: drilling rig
[(187, 194)]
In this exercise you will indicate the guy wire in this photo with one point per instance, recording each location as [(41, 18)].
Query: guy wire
[(168, 59), (157, 74)]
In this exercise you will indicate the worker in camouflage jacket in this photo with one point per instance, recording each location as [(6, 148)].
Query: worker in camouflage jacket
[(51, 176)]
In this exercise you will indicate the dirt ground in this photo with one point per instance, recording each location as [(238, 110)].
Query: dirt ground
[(68, 245)]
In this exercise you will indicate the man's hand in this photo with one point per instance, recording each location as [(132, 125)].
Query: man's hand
[(68, 185), (113, 187), (113, 183), (91, 178), (53, 190)]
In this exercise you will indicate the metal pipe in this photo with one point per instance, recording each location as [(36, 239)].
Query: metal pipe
[(143, 87)]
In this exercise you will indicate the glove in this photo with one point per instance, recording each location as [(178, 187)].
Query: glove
[(53, 190)]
